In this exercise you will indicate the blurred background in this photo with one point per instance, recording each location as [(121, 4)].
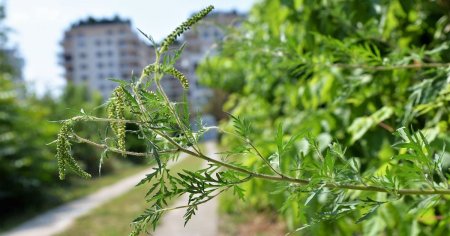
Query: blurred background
[(314, 64)]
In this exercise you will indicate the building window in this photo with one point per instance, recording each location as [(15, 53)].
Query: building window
[(67, 57), (133, 53), (205, 35), (83, 66), (81, 43), (217, 34), (121, 42), (110, 64), (99, 54), (99, 65), (110, 53), (101, 76), (109, 32), (84, 77), (82, 55), (111, 75), (108, 42), (98, 42)]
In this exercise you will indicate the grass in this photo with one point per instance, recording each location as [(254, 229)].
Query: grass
[(114, 217), (240, 219), (67, 193)]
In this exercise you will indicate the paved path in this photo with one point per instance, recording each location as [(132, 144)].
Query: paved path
[(204, 223), (58, 219)]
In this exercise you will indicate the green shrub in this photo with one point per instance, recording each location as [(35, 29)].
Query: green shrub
[(349, 72)]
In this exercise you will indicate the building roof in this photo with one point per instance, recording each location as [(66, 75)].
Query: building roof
[(90, 21)]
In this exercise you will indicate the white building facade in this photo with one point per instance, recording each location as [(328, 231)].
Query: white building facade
[(97, 50)]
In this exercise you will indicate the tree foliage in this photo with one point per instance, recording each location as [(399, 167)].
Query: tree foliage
[(348, 72), (26, 166)]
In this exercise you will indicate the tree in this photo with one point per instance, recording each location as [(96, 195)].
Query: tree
[(26, 166)]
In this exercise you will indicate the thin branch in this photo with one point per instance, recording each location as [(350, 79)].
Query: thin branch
[(329, 185), (392, 67), (282, 178), (265, 160), (175, 114), (112, 149), (256, 150), (196, 204), (386, 127), (100, 119)]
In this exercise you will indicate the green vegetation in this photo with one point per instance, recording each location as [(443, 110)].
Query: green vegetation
[(28, 172), (348, 74), (65, 193), (339, 119), (114, 217)]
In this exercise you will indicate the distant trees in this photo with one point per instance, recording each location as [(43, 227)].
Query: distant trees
[(28, 171), (26, 168)]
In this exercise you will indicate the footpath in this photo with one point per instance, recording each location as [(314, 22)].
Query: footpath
[(204, 223), (58, 219)]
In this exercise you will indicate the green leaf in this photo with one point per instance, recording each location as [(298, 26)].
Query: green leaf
[(279, 138), (149, 177), (130, 97), (274, 160), (362, 124), (368, 214), (242, 126), (239, 192), (155, 153), (119, 81)]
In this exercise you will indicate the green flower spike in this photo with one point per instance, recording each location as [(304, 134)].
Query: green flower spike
[(177, 74), (116, 111), (183, 27), (63, 152)]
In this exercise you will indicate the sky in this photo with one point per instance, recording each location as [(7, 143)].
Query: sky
[(38, 27)]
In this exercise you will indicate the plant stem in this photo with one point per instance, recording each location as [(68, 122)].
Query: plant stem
[(306, 182), (175, 114), (393, 67), (282, 178), (265, 160), (279, 178), (104, 146)]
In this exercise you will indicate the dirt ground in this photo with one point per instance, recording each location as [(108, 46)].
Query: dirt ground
[(251, 224)]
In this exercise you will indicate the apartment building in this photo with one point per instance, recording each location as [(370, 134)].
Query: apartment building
[(95, 50), (204, 40)]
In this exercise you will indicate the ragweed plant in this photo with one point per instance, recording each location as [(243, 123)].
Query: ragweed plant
[(416, 173), (116, 111)]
